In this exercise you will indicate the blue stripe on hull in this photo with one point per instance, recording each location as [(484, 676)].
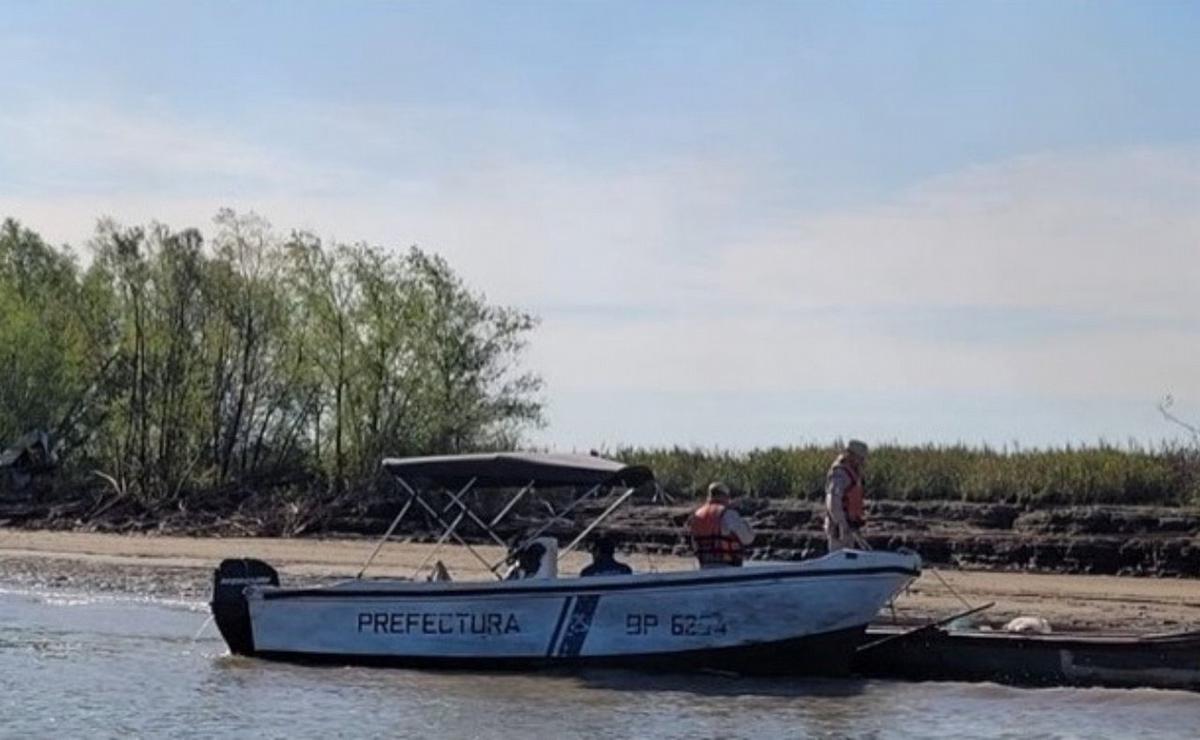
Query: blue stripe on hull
[(562, 617), (579, 625)]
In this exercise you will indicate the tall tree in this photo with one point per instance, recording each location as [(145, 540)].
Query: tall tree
[(177, 362)]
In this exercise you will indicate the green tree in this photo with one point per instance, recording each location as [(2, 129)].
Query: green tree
[(476, 396), (49, 347), (176, 363)]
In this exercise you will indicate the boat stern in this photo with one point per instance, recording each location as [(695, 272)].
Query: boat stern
[(229, 607)]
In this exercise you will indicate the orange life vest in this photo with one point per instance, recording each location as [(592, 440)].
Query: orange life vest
[(710, 544), (853, 498)]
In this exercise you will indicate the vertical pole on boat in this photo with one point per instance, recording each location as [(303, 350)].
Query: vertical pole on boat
[(386, 535)]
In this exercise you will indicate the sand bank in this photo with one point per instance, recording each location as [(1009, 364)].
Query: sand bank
[(180, 567)]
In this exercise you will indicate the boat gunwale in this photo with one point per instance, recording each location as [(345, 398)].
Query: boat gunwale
[(578, 585), (1053, 640)]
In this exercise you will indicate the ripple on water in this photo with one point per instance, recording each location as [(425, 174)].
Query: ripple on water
[(98, 665)]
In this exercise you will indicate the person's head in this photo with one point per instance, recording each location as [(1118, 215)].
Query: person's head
[(604, 548), (718, 492), (856, 451)]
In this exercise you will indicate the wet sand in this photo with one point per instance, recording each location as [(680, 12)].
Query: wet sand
[(180, 567)]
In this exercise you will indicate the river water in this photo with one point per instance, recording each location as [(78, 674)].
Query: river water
[(114, 666)]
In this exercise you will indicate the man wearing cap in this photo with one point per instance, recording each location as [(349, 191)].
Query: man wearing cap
[(719, 534), (845, 510)]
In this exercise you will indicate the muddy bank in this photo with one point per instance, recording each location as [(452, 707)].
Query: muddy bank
[(1095, 540), (1127, 541)]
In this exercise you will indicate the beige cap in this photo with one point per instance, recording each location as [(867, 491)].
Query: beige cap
[(717, 488), (858, 448)]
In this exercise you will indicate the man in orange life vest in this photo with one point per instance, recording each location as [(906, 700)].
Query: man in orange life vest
[(719, 534), (845, 510)]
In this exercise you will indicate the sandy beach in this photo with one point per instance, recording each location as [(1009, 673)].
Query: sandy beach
[(180, 567)]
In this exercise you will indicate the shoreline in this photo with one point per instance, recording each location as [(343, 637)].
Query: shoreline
[(181, 567), (1094, 540)]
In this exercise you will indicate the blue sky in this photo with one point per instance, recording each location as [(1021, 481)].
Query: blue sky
[(741, 223)]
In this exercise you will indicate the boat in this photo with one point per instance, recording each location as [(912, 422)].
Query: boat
[(939, 653), (763, 618)]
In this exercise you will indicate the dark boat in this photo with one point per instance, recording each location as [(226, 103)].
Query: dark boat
[(1167, 661)]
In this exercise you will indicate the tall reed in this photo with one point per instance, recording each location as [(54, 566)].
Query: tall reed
[(1100, 474)]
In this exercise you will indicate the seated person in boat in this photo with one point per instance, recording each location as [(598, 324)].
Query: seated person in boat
[(719, 534), (604, 562)]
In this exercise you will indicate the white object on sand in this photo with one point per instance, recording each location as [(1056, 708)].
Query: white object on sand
[(1028, 624)]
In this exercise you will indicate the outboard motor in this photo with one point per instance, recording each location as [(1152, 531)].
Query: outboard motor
[(229, 608)]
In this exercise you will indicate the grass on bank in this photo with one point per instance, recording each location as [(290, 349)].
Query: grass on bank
[(1169, 476)]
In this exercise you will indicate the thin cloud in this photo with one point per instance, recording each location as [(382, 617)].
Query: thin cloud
[(1052, 275), (81, 148), (1117, 232)]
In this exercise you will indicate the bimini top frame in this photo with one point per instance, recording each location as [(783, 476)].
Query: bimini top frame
[(526, 471), (512, 469)]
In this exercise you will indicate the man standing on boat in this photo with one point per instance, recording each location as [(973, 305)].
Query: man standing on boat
[(719, 534), (845, 509)]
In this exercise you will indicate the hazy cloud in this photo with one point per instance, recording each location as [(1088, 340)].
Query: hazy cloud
[(1063, 275)]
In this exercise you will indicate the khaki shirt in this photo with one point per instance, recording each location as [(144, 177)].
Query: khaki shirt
[(836, 485), (733, 524)]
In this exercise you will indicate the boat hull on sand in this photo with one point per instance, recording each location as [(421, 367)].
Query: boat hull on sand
[(781, 618)]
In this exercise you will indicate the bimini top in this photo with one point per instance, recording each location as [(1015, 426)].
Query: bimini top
[(513, 469)]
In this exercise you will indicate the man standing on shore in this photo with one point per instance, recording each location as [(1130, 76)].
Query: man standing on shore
[(719, 534), (845, 507)]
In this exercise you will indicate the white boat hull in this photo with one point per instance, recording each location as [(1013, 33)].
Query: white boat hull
[(801, 617)]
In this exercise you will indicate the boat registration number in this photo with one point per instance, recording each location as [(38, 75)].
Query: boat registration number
[(677, 625)]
